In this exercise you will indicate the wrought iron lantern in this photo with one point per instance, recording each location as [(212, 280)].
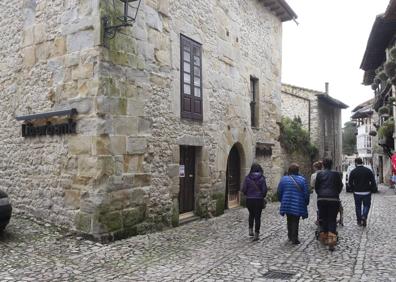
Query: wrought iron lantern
[(128, 10)]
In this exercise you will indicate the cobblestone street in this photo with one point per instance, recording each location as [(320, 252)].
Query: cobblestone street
[(218, 249)]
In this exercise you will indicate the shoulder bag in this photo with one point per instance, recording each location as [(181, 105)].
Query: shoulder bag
[(298, 186)]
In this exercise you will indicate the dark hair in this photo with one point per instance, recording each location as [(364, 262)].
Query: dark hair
[(358, 161), (293, 168), (317, 165), (327, 163), (256, 168)]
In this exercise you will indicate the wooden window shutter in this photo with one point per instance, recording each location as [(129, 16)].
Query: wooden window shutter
[(191, 79)]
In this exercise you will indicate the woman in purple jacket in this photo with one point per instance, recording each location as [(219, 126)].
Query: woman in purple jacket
[(255, 189)]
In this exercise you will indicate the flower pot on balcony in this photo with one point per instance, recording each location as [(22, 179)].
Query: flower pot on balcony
[(392, 52), (382, 75), (384, 110), (373, 133), (390, 68)]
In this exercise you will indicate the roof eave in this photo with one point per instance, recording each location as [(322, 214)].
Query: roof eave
[(281, 9), (330, 100)]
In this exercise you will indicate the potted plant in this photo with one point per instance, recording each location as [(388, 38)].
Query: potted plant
[(382, 75), (384, 110), (392, 52), (390, 68), (373, 133), (385, 132)]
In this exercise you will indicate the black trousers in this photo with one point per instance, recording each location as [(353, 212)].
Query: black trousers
[(255, 207), (292, 227), (328, 215)]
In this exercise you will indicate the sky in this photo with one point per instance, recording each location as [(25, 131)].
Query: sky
[(328, 45)]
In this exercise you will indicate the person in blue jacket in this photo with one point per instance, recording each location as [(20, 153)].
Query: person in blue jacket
[(255, 189), (293, 193)]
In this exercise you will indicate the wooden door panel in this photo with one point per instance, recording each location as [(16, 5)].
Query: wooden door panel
[(186, 194)]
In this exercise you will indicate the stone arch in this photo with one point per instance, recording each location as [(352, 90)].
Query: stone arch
[(241, 139)]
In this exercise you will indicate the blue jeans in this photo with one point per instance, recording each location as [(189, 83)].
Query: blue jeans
[(366, 201)]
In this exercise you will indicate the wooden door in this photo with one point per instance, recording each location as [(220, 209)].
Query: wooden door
[(186, 194), (233, 178)]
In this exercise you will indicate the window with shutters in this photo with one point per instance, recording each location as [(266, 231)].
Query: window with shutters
[(191, 78)]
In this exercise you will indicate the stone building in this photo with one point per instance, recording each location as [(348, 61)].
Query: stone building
[(320, 115), (116, 131), (379, 66)]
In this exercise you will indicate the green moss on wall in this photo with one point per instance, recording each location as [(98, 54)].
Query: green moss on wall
[(112, 221), (220, 203), (83, 222)]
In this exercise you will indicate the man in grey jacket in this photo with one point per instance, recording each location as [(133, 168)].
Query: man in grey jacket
[(362, 183)]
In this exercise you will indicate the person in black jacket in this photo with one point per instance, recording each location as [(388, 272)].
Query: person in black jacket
[(328, 186), (362, 183)]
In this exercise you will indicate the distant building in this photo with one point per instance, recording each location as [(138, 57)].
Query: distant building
[(320, 115), (362, 115), (367, 139)]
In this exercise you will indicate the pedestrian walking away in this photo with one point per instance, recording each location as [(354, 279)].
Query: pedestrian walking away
[(328, 186), (293, 193), (317, 166), (255, 189), (362, 183)]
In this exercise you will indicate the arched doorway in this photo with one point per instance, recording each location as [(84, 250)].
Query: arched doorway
[(233, 178)]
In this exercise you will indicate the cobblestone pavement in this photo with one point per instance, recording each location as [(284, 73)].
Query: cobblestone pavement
[(217, 249)]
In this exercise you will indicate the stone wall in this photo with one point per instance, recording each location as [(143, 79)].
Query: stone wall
[(118, 176), (48, 60)]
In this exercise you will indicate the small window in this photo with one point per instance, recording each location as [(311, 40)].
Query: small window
[(254, 101), (191, 78)]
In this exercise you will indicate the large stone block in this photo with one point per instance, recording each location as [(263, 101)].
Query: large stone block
[(163, 57), (40, 34), (84, 71), (59, 47), (153, 19), (144, 125), (79, 41), (72, 199), (133, 216), (135, 106), (28, 36), (29, 56), (133, 163), (83, 23), (136, 145), (42, 51), (111, 105), (87, 166), (72, 59), (102, 145), (105, 167), (118, 145), (141, 180), (80, 145), (125, 125), (163, 7)]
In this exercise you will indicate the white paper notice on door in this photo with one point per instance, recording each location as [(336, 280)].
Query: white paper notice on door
[(182, 172)]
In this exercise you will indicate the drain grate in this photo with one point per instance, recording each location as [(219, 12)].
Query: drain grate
[(274, 274)]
